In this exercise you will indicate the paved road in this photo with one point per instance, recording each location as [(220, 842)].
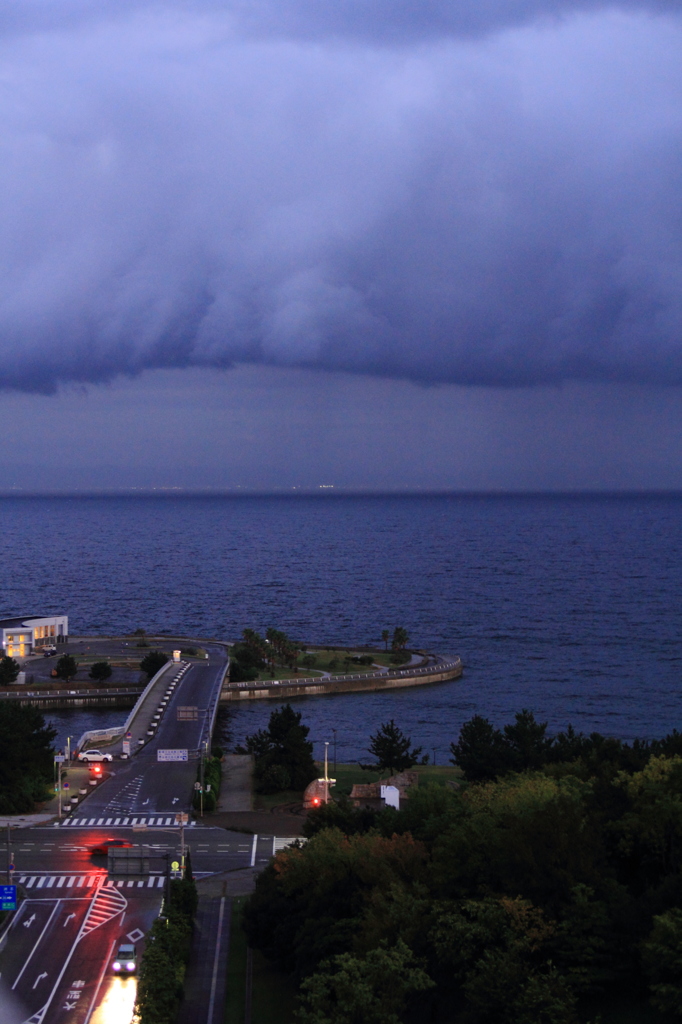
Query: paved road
[(63, 851), (144, 786), (54, 960)]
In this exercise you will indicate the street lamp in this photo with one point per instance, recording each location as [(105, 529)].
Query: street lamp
[(326, 772)]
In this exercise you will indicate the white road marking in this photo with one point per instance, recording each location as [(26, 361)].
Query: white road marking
[(37, 943), (211, 1003)]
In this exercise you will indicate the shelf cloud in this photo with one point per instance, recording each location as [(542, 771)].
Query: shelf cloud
[(461, 193)]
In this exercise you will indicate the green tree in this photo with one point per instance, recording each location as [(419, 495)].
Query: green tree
[(66, 667), (385, 636), (100, 671), (400, 638), (153, 663), (9, 670), (662, 956), (527, 741), (391, 748), (369, 989), (245, 662), (283, 753), (26, 765), (480, 751)]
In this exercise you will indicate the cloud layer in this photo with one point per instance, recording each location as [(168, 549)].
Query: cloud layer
[(432, 197)]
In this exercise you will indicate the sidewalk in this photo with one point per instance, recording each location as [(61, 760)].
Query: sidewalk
[(204, 999), (236, 787)]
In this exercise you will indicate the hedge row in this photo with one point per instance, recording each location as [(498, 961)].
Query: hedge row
[(165, 959)]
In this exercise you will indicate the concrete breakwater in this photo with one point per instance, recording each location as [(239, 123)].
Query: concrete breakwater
[(441, 671), (63, 699)]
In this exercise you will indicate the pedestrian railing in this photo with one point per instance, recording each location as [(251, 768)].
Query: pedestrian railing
[(436, 669)]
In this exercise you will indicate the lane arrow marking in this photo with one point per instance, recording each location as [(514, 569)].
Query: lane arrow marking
[(27, 924), (68, 919), (39, 978)]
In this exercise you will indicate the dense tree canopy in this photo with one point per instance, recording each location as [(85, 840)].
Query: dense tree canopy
[(554, 876), (26, 757)]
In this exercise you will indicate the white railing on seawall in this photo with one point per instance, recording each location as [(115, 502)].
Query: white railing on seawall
[(437, 669)]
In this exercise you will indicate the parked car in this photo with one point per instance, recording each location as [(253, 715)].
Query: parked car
[(125, 961), (49, 651), (102, 849), (94, 755)]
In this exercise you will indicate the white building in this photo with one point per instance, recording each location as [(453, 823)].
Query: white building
[(25, 634)]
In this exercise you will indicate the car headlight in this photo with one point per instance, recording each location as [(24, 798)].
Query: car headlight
[(130, 966), (116, 966)]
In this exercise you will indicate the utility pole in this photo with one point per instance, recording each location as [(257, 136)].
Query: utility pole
[(326, 772), (9, 854), (334, 731)]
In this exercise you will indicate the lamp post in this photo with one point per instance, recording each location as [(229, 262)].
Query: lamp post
[(10, 865), (326, 772)]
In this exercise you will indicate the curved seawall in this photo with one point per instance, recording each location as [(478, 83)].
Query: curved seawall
[(443, 670)]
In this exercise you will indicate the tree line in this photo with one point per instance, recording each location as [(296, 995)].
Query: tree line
[(548, 878)]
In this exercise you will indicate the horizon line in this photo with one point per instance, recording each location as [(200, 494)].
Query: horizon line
[(332, 491)]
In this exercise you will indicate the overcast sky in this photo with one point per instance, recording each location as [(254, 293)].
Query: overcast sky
[(369, 243)]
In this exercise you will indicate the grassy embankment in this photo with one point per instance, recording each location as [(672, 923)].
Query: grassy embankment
[(347, 775)]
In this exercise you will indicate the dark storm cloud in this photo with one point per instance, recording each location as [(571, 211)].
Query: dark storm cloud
[(375, 20), (201, 186)]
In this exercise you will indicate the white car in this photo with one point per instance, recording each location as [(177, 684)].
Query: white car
[(94, 755)]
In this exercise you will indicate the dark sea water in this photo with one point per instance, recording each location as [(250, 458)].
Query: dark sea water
[(568, 605)]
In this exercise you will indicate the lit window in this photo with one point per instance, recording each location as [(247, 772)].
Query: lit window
[(51, 630)]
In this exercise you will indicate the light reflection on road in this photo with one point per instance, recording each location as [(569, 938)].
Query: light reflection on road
[(117, 1002)]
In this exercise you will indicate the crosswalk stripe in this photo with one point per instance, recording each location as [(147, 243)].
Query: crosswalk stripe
[(130, 822)]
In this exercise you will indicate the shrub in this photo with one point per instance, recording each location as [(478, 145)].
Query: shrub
[(9, 670), (153, 662), (165, 959), (100, 671)]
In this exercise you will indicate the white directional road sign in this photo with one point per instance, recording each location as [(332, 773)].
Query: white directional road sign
[(172, 755)]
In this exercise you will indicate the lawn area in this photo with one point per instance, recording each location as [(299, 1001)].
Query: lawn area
[(348, 774), (266, 801), (272, 993), (337, 661)]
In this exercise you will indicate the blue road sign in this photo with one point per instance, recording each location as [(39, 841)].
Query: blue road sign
[(8, 897)]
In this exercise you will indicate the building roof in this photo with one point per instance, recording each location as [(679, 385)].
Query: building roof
[(20, 620)]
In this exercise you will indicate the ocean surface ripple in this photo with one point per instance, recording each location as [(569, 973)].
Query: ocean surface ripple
[(568, 605)]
